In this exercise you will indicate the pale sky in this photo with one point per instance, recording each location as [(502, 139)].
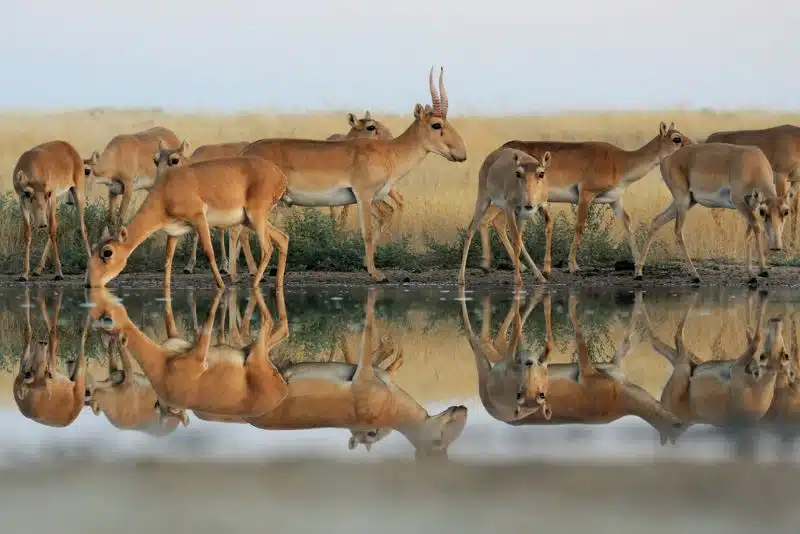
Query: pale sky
[(499, 56)]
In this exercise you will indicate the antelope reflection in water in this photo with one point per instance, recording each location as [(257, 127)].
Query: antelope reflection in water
[(218, 379), (582, 392), (42, 393), (361, 397), (127, 398), (723, 392)]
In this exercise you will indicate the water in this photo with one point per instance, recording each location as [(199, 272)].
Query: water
[(422, 337)]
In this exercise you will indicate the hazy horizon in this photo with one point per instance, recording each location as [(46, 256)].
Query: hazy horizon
[(499, 57)]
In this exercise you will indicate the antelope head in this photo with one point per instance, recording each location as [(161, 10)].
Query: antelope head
[(36, 194), (109, 257), (367, 437), (436, 134), (773, 211), (166, 157), (366, 127), (670, 140), (434, 435), (529, 173)]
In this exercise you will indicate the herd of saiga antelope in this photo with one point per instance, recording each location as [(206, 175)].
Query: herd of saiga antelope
[(237, 380), (236, 186)]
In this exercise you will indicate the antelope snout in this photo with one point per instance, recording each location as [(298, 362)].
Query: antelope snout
[(526, 212)]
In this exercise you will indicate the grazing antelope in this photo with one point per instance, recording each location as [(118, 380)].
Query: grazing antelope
[(721, 175), (784, 411), (781, 146), (514, 182), (722, 392), (126, 397), (513, 382), (360, 171), (41, 176), (592, 172), (126, 165), (42, 393), (218, 379), (360, 397), (189, 196), (172, 157), (371, 129)]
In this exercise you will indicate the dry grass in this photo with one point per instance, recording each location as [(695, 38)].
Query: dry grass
[(440, 195)]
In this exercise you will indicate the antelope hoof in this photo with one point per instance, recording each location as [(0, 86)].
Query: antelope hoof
[(188, 270), (753, 282), (696, 280), (764, 274), (223, 270), (58, 277), (546, 275), (36, 273), (22, 278), (486, 270), (638, 277), (273, 271)]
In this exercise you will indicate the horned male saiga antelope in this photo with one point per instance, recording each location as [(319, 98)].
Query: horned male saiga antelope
[(189, 196), (360, 171), (721, 175), (218, 379), (516, 183), (361, 397), (592, 393), (371, 129), (723, 392), (513, 381), (42, 393), (42, 175), (589, 172), (781, 146), (127, 398), (124, 162)]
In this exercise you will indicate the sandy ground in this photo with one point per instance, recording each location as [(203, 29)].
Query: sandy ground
[(621, 276), (85, 497)]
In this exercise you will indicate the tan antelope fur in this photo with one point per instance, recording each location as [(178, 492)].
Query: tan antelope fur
[(126, 165), (515, 183), (360, 171), (785, 407), (361, 397), (42, 175), (513, 382), (722, 392), (218, 379), (589, 172), (42, 393), (781, 146), (369, 128), (126, 397), (721, 175), (172, 157), (189, 196)]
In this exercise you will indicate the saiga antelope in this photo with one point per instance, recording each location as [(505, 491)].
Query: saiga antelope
[(371, 129), (516, 183), (781, 146), (722, 392), (125, 166), (172, 157), (591, 172), (189, 196), (360, 171), (42, 393), (512, 381), (360, 397), (218, 379), (721, 175), (784, 411), (41, 176), (127, 398)]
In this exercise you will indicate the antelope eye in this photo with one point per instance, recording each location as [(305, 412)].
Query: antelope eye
[(87, 171), (371, 127), (518, 174), (372, 433), (174, 161), (762, 212), (436, 125), (677, 140), (107, 252), (155, 161), (785, 212), (541, 175), (28, 195), (49, 194)]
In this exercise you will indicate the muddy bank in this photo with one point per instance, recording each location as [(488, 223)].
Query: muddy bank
[(675, 275), (313, 496)]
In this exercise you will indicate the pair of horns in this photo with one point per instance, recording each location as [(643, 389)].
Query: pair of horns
[(439, 99)]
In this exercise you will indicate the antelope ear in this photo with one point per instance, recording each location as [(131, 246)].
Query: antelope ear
[(21, 178), (184, 148), (156, 157), (94, 157), (546, 159), (351, 119), (419, 111), (367, 115), (662, 128), (123, 234), (161, 145), (352, 443), (516, 158), (106, 234)]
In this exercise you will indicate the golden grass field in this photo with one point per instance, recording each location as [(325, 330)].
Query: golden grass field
[(439, 195)]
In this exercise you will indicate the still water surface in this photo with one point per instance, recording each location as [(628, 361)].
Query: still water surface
[(624, 372)]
